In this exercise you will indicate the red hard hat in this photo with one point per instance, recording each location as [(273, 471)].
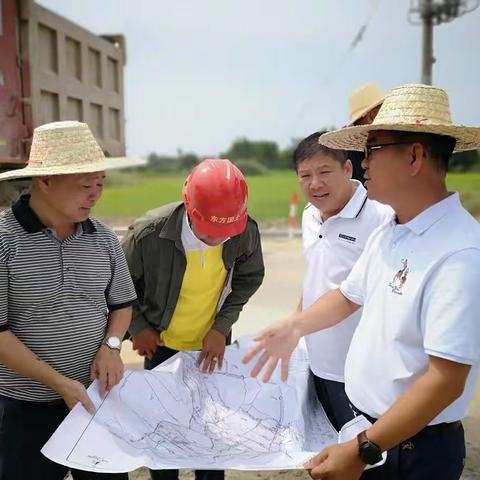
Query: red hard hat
[(215, 196)]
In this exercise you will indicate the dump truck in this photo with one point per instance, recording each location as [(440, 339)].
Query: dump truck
[(52, 69)]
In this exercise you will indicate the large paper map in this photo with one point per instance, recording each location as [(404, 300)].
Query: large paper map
[(178, 417)]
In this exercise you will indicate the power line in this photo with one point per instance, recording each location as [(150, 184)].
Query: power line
[(330, 74)]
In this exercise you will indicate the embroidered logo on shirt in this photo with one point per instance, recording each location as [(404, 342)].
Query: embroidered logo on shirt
[(347, 238), (400, 278)]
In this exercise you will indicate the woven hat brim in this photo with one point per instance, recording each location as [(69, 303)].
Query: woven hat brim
[(108, 163), (363, 112), (355, 138)]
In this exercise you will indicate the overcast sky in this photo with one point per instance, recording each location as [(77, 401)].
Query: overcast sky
[(201, 73)]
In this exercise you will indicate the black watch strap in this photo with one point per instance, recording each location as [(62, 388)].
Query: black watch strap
[(369, 452)]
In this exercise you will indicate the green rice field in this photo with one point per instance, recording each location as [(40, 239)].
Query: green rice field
[(128, 195)]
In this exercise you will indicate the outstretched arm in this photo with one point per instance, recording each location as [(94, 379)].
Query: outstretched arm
[(278, 342)]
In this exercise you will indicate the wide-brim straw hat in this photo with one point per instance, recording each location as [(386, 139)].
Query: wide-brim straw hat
[(63, 148), (408, 108), (364, 99)]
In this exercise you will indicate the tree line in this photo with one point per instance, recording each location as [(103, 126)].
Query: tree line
[(256, 157)]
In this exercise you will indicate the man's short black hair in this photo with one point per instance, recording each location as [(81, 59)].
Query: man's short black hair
[(439, 147), (309, 147)]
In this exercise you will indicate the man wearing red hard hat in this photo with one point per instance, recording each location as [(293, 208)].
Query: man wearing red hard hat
[(215, 197), (194, 264)]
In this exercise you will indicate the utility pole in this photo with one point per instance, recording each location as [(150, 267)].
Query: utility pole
[(427, 43), (430, 13)]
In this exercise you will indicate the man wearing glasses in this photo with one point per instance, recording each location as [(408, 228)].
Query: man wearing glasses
[(413, 359)]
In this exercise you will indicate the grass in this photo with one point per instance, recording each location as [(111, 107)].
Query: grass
[(468, 184), (129, 195)]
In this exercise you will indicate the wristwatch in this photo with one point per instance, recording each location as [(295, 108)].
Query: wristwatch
[(113, 343), (369, 452)]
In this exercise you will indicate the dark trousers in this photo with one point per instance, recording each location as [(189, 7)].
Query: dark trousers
[(24, 428), (437, 452), (334, 400), (162, 354)]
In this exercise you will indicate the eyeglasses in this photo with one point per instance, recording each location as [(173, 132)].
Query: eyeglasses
[(368, 149)]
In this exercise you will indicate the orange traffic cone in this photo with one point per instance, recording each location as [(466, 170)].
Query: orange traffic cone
[(292, 217)]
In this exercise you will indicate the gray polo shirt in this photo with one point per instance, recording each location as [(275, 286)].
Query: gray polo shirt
[(57, 295)]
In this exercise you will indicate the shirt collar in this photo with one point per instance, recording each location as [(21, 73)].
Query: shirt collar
[(190, 240), (29, 221), (424, 220), (354, 206)]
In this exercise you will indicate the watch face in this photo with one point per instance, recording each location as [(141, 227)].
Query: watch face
[(370, 453), (113, 342)]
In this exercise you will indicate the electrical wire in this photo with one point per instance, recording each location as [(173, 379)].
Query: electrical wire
[(332, 72)]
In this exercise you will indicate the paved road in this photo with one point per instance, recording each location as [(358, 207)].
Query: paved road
[(279, 295)]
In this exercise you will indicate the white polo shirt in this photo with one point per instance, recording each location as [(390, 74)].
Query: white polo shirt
[(419, 287), (331, 248)]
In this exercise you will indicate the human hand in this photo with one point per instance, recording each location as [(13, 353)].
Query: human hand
[(146, 342), (337, 462), (107, 368), (275, 343), (212, 352), (73, 392)]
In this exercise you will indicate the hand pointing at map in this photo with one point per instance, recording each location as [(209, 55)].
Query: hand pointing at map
[(275, 343)]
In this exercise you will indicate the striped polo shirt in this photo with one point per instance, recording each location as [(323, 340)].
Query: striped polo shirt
[(57, 295)]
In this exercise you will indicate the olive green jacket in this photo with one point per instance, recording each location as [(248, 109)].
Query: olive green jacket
[(157, 263)]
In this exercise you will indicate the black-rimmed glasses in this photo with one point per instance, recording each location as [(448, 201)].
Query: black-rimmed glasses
[(368, 149)]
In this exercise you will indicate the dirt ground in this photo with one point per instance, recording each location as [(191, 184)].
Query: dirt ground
[(142, 474), (274, 475)]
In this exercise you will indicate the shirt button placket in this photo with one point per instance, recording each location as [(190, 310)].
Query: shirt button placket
[(321, 232), (66, 261)]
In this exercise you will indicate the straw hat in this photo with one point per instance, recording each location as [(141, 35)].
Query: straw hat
[(62, 148), (408, 108), (364, 99)]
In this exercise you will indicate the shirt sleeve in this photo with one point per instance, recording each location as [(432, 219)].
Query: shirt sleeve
[(120, 292), (450, 309), (3, 296), (353, 286)]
